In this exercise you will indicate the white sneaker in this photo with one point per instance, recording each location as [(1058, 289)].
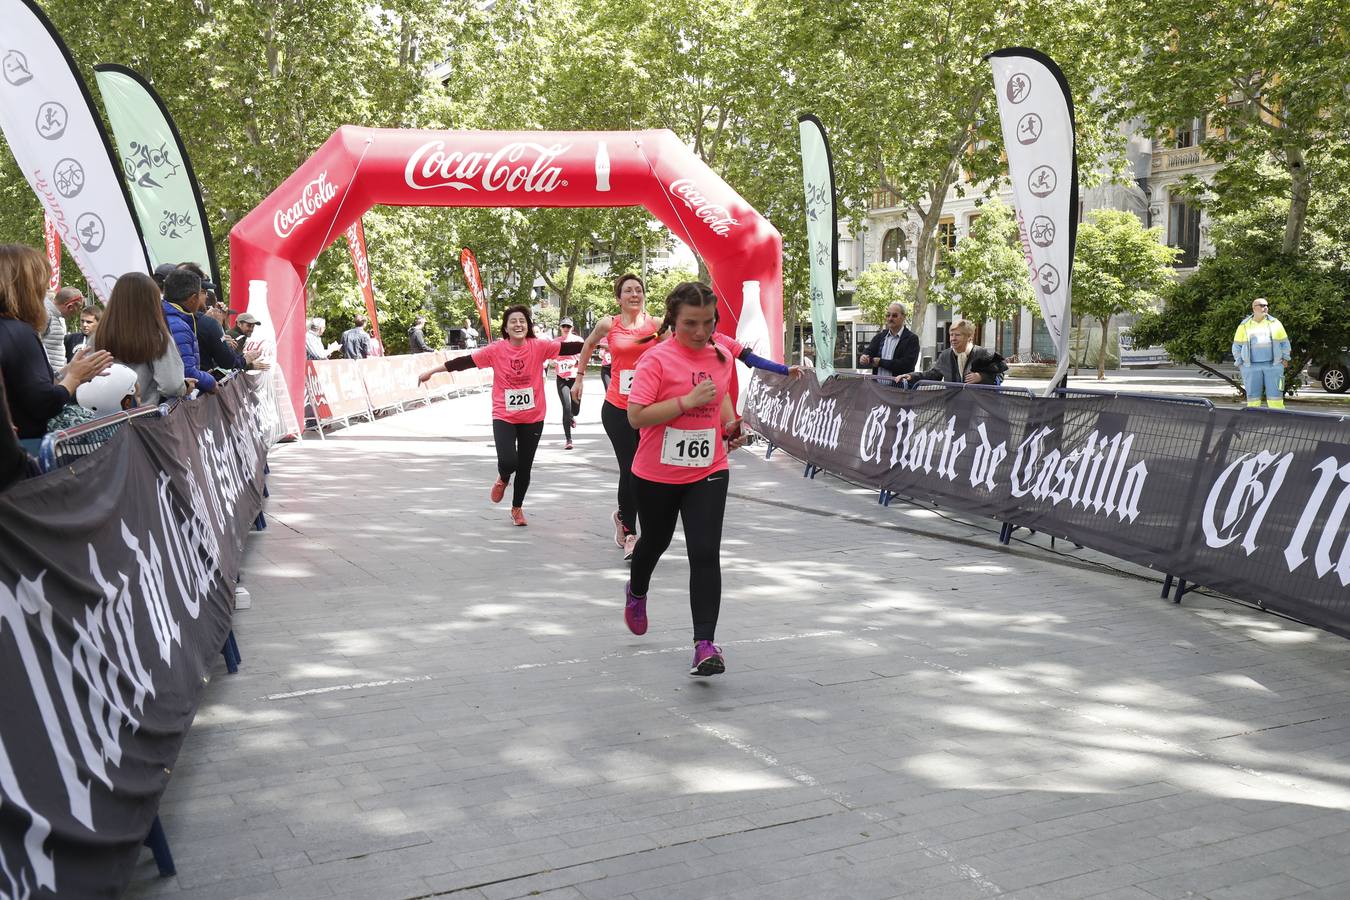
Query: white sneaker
[(629, 544), (619, 531)]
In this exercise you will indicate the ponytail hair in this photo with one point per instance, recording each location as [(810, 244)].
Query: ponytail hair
[(686, 293)]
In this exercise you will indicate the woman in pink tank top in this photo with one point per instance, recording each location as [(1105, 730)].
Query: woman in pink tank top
[(629, 334)]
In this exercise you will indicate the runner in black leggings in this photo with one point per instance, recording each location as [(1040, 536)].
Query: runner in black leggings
[(518, 405), (629, 335), (566, 368), (681, 462)]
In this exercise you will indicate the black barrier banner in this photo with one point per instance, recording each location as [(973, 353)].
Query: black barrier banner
[(1249, 502), (116, 591)]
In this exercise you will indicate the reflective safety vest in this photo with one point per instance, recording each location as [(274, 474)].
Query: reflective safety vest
[(1247, 334)]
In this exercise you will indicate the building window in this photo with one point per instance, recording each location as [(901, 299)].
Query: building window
[(1190, 133), (946, 241), (1183, 231), (893, 247), (884, 199)]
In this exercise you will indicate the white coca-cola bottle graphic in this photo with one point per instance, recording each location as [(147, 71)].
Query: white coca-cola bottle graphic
[(602, 168)]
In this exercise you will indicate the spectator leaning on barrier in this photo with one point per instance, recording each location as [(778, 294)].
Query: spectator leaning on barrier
[(417, 341), (89, 317), (963, 361), (135, 332), (244, 326), (59, 308), (35, 395), (216, 352), (1261, 348), (895, 349), (355, 341), (182, 299)]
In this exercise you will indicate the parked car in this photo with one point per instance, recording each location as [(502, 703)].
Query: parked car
[(1334, 374)]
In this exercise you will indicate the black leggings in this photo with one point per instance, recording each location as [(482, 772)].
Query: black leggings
[(700, 505), (515, 453), (624, 437), (569, 409)]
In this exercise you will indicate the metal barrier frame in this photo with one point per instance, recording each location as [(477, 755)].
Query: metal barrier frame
[(52, 442)]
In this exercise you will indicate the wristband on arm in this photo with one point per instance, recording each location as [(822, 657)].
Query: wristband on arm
[(759, 362)]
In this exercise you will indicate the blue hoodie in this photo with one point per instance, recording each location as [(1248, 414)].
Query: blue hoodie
[(183, 327)]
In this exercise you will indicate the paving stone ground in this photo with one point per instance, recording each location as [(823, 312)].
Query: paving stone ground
[(436, 704)]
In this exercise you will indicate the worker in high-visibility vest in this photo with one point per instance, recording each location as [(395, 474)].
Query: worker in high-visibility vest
[(1261, 348)]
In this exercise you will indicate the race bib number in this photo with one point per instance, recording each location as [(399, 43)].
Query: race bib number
[(626, 381), (519, 400), (567, 368), (691, 449)]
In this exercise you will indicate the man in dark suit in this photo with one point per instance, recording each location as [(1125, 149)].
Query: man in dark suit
[(963, 361), (89, 317), (895, 349)]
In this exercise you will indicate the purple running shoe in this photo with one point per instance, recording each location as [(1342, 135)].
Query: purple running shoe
[(707, 659), (634, 610)]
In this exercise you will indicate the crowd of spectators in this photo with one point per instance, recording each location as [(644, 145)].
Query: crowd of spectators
[(170, 330)]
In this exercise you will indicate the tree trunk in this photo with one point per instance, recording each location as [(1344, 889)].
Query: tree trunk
[(1299, 194), (926, 253), (1077, 343), (1101, 363), (564, 290)]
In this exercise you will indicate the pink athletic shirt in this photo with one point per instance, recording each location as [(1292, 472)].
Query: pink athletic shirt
[(728, 343), (690, 446), (517, 377)]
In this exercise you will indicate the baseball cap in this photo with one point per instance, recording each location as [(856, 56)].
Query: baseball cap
[(565, 321), (248, 319), (162, 271)]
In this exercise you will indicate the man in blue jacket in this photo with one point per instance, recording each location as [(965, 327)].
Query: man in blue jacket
[(183, 298)]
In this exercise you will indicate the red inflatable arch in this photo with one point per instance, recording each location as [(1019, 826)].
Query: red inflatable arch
[(272, 248)]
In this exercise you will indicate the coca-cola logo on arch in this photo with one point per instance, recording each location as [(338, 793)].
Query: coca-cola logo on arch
[(311, 200), (716, 216), (518, 166)]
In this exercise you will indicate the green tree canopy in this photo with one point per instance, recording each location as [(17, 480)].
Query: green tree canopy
[(880, 286), (988, 278), (1309, 293), (1269, 80), (1119, 267)]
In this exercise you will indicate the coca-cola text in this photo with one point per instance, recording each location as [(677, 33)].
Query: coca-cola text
[(714, 215), (315, 195), (519, 166)]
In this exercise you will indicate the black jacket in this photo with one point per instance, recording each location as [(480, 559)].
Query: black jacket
[(74, 341), (984, 362), (417, 342), (33, 395), (906, 353), (216, 354)]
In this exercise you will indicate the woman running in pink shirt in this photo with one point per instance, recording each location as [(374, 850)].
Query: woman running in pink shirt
[(680, 403), (629, 335), (518, 408)]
